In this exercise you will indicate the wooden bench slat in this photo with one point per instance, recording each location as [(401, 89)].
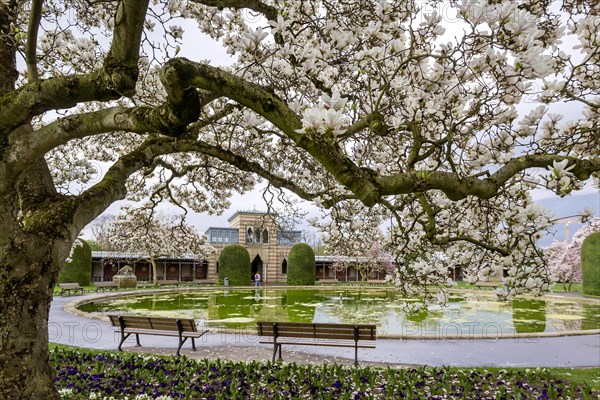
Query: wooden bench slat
[(302, 325), (323, 343), (153, 321), (162, 333), (158, 326), (310, 328), (320, 335)]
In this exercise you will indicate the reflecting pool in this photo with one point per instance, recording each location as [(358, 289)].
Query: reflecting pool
[(467, 313)]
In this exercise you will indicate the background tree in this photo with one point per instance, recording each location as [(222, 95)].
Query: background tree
[(149, 237), (373, 260), (355, 239), (234, 264), (78, 267), (301, 265), (564, 259), (406, 109), (313, 239), (590, 264)]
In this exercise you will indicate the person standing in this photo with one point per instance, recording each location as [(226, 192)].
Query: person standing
[(257, 279)]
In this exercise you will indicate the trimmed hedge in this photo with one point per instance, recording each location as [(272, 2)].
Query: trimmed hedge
[(301, 265), (234, 263), (79, 269), (590, 264)]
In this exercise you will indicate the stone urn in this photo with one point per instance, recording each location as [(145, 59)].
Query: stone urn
[(125, 278)]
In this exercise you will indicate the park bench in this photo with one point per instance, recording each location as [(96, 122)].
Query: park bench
[(328, 280), (102, 286), (70, 287), (138, 325), (376, 281), (484, 284), (317, 334), (208, 282), (164, 282)]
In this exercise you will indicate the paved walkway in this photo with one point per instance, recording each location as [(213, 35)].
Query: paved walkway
[(572, 351)]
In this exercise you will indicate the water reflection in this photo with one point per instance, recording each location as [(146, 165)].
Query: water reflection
[(467, 313), (529, 315)]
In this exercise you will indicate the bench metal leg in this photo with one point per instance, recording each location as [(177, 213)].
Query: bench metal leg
[(356, 356), (123, 339), (193, 344), (181, 342), (277, 346), (137, 340)]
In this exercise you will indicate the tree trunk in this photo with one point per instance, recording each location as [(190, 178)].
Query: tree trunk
[(363, 274), (8, 60), (29, 265), (25, 372), (154, 271), (25, 296)]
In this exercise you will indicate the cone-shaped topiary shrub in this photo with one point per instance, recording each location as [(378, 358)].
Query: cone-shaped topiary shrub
[(79, 268), (590, 264), (301, 265), (234, 264)]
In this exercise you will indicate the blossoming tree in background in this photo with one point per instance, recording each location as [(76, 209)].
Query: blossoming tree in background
[(374, 260), (355, 240), (564, 259), (408, 111), (149, 237)]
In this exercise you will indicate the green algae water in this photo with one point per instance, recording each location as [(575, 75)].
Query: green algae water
[(468, 313)]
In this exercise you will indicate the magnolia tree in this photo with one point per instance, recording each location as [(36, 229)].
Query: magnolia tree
[(407, 110), (374, 260), (149, 237), (355, 240), (564, 259)]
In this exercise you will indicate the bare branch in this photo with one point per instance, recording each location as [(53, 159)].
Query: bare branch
[(32, 32), (268, 11)]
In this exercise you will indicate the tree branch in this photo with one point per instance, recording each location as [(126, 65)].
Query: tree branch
[(267, 104), (93, 201), (171, 118), (458, 188), (117, 77), (255, 5), (32, 32)]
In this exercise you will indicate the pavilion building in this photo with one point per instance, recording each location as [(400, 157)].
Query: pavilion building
[(255, 230)]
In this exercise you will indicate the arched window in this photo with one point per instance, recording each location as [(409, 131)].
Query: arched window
[(257, 236), (249, 235), (265, 236), (284, 266)]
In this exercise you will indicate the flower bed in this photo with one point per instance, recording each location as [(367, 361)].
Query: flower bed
[(108, 376)]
